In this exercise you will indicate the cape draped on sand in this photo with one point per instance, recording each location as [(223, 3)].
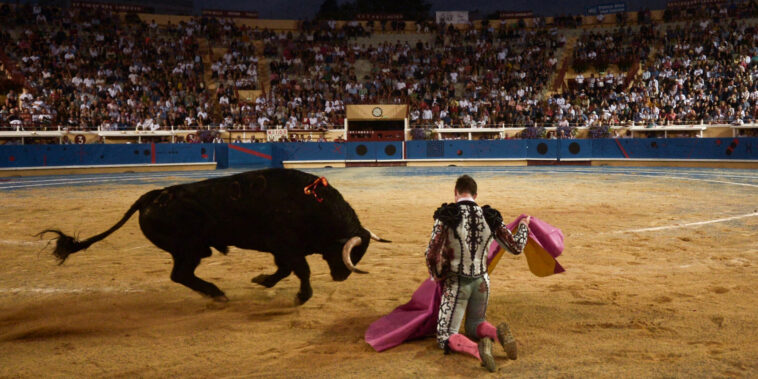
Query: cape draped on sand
[(418, 317)]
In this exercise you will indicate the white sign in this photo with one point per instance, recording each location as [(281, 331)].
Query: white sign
[(607, 9), (452, 17), (273, 135)]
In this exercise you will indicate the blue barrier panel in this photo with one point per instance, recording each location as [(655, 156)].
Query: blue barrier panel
[(272, 154), (542, 149), (463, 149), (252, 155), (374, 150), (359, 151), (69, 155), (182, 152), (654, 148), (421, 149), (389, 150), (696, 148), (507, 149), (460, 149), (500, 149), (609, 148), (676, 148), (221, 155), (103, 154), (309, 151), (735, 148), (575, 148)]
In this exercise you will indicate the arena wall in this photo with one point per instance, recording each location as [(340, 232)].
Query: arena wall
[(722, 152), (32, 159)]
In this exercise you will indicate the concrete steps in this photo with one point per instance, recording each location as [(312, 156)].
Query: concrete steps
[(205, 55), (204, 47), (264, 69), (264, 74), (563, 55), (214, 54)]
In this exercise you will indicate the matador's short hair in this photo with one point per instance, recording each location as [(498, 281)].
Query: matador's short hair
[(465, 184)]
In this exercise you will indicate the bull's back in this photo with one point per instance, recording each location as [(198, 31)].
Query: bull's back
[(262, 210)]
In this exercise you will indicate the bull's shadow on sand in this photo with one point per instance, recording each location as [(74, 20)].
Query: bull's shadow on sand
[(93, 315)]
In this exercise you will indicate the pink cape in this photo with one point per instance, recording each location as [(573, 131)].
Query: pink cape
[(418, 317)]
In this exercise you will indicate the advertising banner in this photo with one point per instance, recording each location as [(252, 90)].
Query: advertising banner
[(684, 4), (114, 7), (504, 15), (229, 14), (452, 17), (610, 8), (378, 16)]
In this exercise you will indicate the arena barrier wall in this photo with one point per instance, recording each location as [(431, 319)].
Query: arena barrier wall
[(20, 156), (676, 148), (375, 151), (340, 154), (458, 149), (309, 151), (336, 151), (542, 149), (247, 155), (575, 149)]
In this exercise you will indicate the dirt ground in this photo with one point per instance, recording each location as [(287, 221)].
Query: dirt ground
[(674, 302)]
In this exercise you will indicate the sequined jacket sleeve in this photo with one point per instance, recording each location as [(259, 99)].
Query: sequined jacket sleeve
[(514, 243), (436, 261)]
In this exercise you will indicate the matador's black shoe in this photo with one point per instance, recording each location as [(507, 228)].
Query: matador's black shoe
[(507, 340), (485, 352)]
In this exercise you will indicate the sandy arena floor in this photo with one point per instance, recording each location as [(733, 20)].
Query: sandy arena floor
[(675, 301)]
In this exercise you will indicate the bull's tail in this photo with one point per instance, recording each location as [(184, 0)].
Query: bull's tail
[(67, 245)]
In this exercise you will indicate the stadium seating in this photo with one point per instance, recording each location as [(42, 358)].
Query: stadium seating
[(97, 70)]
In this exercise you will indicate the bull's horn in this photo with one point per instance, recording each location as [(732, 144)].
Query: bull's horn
[(349, 245), (375, 237)]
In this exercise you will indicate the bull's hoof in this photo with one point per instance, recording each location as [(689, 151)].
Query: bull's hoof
[(263, 280), (301, 298), (219, 302), (221, 299)]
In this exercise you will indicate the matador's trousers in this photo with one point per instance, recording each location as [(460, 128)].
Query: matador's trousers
[(462, 296)]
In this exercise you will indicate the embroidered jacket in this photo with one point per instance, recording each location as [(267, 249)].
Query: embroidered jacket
[(461, 238)]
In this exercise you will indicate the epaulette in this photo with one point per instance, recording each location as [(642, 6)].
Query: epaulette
[(492, 217), (449, 214)]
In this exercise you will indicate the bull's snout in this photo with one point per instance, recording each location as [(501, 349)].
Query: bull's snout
[(340, 277)]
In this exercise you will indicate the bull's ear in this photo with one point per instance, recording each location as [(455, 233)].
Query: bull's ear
[(342, 241)]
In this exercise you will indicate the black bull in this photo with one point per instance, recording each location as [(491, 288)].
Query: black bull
[(266, 210)]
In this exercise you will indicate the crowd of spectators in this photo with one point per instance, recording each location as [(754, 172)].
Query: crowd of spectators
[(464, 78), (87, 69), (622, 47), (715, 11), (705, 72)]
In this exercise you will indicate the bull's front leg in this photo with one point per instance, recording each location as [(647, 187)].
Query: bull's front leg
[(303, 272), (283, 269)]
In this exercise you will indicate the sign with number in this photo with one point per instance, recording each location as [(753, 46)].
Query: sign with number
[(273, 135)]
